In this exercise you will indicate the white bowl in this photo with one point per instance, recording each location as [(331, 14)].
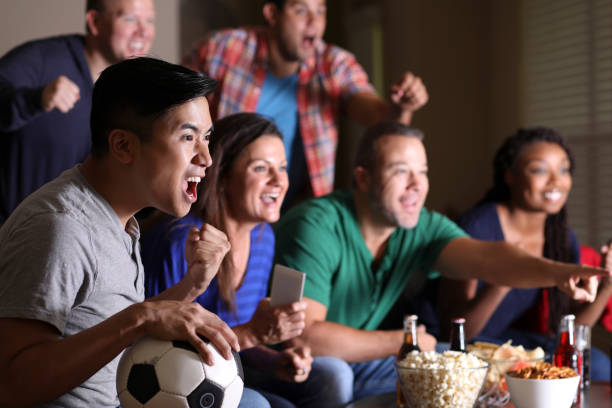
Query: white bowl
[(534, 393)]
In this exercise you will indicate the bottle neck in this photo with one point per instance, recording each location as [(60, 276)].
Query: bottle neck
[(410, 332), (566, 332), (457, 339), (567, 337)]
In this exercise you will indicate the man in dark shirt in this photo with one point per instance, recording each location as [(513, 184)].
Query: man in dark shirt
[(45, 94)]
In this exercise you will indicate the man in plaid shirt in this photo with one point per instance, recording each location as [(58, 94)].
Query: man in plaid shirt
[(286, 71)]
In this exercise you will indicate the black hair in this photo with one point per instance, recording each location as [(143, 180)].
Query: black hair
[(98, 5), (133, 93), (366, 151), (278, 3), (556, 231), (506, 157), (230, 137)]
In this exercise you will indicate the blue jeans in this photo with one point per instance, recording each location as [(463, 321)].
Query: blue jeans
[(373, 377), (332, 382), (329, 385), (600, 365), (252, 399)]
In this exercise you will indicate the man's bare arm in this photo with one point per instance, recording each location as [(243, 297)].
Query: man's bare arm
[(347, 343), (33, 352), (501, 263), (408, 94), (368, 108)]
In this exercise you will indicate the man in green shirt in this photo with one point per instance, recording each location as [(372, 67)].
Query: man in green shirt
[(360, 248)]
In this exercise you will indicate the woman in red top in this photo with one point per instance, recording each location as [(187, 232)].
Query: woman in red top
[(590, 257)]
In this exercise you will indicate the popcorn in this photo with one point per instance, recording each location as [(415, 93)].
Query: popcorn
[(432, 380)]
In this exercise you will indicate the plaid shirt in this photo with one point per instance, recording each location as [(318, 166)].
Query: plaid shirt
[(238, 59)]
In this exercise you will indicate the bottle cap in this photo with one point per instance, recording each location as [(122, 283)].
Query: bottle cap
[(458, 320)]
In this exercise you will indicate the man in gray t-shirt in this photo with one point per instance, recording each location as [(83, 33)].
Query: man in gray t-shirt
[(71, 278), (91, 265)]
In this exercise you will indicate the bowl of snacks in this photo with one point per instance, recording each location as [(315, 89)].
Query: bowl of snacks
[(432, 380), (543, 386), (502, 359)]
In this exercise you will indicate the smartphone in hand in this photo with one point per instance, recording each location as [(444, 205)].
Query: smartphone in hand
[(287, 285)]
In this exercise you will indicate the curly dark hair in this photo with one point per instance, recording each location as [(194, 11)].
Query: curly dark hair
[(556, 231)]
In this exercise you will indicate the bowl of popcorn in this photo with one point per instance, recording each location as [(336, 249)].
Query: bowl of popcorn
[(543, 386), (501, 359), (432, 380)]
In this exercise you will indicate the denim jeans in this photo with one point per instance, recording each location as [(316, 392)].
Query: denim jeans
[(329, 385), (252, 399), (373, 377), (332, 382)]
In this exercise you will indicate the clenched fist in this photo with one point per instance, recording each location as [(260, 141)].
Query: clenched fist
[(204, 251), (60, 94), (293, 364), (426, 341), (409, 93)]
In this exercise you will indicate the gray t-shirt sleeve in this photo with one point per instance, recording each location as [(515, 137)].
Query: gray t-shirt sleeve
[(47, 267)]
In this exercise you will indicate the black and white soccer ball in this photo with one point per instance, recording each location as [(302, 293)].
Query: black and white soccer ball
[(170, 374)]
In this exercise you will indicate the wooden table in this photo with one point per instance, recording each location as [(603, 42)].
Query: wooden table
[(598, 396)]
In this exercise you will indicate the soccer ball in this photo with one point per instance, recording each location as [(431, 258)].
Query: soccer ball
[(154, 373)]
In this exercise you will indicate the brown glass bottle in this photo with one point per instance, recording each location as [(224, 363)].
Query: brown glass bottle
[(410, 344), (457, 335)]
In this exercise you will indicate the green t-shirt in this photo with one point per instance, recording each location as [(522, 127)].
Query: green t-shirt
[(322, 239)]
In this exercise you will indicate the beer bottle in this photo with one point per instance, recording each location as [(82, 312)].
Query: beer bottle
[(457, 335), (410, 344), (566, 354)]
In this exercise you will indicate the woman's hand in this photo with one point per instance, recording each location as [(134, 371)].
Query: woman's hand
[(275, 324), (293, 364), (204, 251)]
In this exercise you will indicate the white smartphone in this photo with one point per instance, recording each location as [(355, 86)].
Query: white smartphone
[(287, 285)]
